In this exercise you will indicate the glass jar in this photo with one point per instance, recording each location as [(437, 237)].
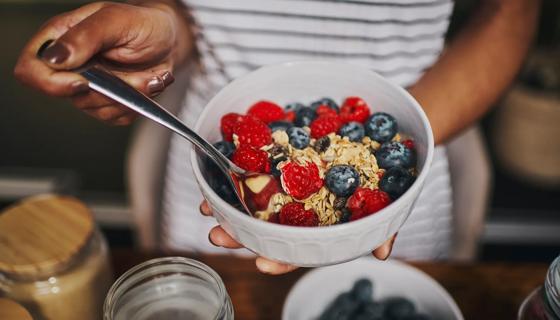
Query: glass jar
[(544, 302), (53, 260), (168, 289)]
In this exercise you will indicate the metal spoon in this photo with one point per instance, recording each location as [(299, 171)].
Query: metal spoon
[(109, 85)]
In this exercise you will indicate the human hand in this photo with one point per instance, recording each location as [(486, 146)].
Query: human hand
[(139, 44), (219, 237)]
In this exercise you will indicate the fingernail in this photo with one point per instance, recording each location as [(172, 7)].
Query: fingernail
[(56, 53), (42, 48), (167, 78), (210, 240), (155, 85), (80, 87)]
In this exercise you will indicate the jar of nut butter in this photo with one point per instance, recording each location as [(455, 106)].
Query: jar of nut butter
[(53, 259)]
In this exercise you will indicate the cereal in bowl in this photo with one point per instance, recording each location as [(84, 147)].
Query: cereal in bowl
[(332, 164)]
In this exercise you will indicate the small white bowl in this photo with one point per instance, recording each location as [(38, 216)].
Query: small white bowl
[(317, 289), (305, 82)]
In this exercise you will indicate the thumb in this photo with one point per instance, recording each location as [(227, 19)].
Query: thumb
[(99, 31)]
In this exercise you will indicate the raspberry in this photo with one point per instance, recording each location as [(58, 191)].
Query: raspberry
[(354, 109), (300, 181), (324, 125), (290, 116), (408, 143), (253, 132), (266, 111), (367, 201), (274, 218), (249, 158), (227, 123), (294, 214), (324, 110)]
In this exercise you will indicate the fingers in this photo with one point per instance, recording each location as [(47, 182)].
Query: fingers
[(220, 238), (384, 251), (205, 209), (34, 72), (272, 267), (105, 109)]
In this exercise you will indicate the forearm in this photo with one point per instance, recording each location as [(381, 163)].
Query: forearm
[(184, 48), (477, 65)]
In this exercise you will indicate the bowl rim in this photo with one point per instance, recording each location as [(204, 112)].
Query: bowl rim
[(447, 297), (326, 229)]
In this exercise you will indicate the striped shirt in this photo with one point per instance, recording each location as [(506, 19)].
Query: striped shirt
[(399, 39)]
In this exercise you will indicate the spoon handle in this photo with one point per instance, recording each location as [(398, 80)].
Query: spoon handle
[(116, 89)]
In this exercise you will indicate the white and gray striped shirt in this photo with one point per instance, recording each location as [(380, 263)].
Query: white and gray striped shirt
[(399, 39)]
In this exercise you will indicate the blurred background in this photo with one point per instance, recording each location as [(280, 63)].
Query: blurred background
[(48, 146)]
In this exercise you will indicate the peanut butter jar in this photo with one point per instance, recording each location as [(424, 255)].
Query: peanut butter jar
[(53, 259)]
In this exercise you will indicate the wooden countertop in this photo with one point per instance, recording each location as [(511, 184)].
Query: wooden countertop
[(490, 291)]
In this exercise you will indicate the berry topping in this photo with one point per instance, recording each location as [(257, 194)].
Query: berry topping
[(353, 130), (325, 111), (253, 132), (381, 127), (266, 111), (290, 116), (324, 125), (227, 123), (294, 106), (396, 181), (392, 154), (274, 166), (366, 201), (354, 109), (408, 143), (280, 125), (345, 215), (304, 117), (252, 159), (326, 102), (274, 218), (299, 138), (294, 214), (342, 180), (322, 144), (301, 181), (226, 148)]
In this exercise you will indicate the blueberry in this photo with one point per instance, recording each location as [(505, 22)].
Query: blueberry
[(392, 154), (304, 117), (396, 181), (362, 290), (381, 127), (299, 138), (345, 215), (325, 102), (294, 106), (398, 308), (418, 316), (353, 130), (280, 125), (322, 144), (342, 180), (342, 308), (225, 147), (275, 161), (369, 311)]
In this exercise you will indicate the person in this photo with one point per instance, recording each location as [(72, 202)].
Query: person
[(145, 42)]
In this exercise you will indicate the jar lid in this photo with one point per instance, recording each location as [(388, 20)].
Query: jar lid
[(10, 310), (43, 233)]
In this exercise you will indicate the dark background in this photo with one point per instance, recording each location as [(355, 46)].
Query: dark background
[(45, 138)]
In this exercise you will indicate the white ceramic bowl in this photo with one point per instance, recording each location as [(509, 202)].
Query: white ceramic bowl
[(305, 82), (315, 290)]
